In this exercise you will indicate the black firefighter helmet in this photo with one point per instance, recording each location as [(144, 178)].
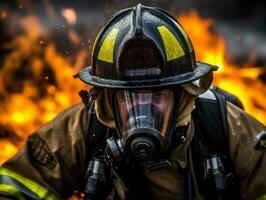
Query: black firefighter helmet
[(142, 47)]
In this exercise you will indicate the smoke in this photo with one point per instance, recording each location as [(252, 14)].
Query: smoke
[(245, 44)]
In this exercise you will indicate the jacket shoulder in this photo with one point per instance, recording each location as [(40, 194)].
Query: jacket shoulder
[(54, 155), (249, 164), (70, 119), (243, 127)]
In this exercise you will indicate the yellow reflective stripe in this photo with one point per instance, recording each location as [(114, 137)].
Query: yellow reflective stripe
[(12, 191), (106, 52), (172, 46), (34, 187), (186, 37)]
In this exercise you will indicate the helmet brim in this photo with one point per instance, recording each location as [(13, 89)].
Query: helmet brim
[(201, 70)]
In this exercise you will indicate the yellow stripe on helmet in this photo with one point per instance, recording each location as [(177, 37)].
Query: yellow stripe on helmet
[(106, 52), (172, 46), (12, 191), (40, 191)]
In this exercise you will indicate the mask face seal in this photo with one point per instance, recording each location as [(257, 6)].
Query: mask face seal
[(145, 121)]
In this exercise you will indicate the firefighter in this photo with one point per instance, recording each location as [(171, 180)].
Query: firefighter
[(135, 136)]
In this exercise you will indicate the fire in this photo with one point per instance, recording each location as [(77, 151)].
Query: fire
[(241, 81), (3, 14), (70, 15), (209, 47), (7, 150), (48, 88)]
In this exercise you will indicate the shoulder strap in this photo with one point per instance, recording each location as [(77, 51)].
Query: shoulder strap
[(211, 121), (211, 141), (222, 110), (96, 133), (211, 114)]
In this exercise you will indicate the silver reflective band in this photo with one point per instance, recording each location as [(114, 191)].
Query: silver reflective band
[(208, 95)]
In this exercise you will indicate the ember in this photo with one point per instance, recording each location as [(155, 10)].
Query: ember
[(70, 15)]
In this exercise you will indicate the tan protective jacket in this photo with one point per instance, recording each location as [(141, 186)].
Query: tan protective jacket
[(52, 163)]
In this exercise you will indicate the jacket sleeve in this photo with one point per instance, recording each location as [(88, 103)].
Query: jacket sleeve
[(51, 164), (250, 164)]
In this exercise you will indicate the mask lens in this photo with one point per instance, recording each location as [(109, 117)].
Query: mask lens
[(144, 114)]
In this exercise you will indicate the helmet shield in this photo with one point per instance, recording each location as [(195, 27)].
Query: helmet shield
[(144, 120)]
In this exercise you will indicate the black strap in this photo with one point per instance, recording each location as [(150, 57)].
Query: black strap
[(187, 185), (96, 133), (232, 183), (222, 110), (211, 138), (210, 123)]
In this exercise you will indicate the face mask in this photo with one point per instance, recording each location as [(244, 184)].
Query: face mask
[(145, 122)]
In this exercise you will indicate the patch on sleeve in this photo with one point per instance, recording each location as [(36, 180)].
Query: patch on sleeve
[(40, 153)]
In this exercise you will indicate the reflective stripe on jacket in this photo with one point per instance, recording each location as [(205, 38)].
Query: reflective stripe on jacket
[(19, 187)]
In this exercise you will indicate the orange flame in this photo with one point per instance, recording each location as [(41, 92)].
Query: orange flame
[(28, 109), (241, 81), (3, 14), (209, 47), (7, 150)]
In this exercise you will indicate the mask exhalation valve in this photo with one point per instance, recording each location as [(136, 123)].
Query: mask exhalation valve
[(143, 148)]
